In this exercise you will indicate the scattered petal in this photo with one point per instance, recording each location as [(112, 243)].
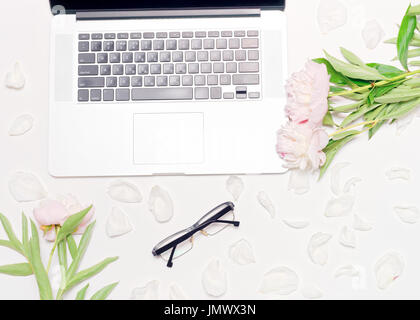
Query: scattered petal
[(15, 79), (160, 204), (118, 223), (25, 186), (214, 279), (351, 183), (124, 191), (235, 186), (21, 125), (372, 34), (398, 173), (311, 291), (241, 252), (360, 224), (299, 181), (280, 281), (266, 203), (388, 269), (408, 214), (149, 292), (296, 224), (332, 14), (348, 271), (340, 206), (348, 237), (318, 248), (176, 292), (335, 177)]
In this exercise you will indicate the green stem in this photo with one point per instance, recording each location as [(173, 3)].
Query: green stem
[(366, 123), (52, 250), (374, 84)]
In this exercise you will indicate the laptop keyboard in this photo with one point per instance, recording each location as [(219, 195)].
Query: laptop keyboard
[(139, 66)]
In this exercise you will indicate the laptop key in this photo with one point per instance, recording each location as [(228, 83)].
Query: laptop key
[(243, 79), (105, 70), (102, 57), (114, 57), (91, 82), (174, 34), (95, 95), (146, 44), (84, 36), (84, 46), (96, 46), (249, 43), (140, 57), (239, 33), (213, 34), (135, 35), (122, 35), (127, 57), (216, 93), (162, 94), (161, 35), (253, 55), (86, 58), (136, 81), (133, 45), (124, 81), (108, 45), (122, 94), (201, 93), (246, 67), (111, 82), (88, 70), (97, 36), (148, 35), (121, 45), (109, 35), (108, 95), (149, 81), (83, 95)]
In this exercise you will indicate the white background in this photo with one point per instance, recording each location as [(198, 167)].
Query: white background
[(24, 32)]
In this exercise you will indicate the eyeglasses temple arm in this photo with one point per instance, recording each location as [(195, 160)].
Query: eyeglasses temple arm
[(235, 223), (170, 264)]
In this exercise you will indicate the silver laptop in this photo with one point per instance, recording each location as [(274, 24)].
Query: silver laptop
[(159, 87)]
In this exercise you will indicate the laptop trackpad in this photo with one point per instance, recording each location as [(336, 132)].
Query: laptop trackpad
[(168, 138)]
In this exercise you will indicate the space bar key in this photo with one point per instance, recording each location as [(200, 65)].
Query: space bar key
[(161, 94)]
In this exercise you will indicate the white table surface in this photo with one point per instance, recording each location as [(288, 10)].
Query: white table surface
[(24, 32)]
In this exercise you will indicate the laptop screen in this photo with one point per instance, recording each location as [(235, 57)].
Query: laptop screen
[(71, 6)]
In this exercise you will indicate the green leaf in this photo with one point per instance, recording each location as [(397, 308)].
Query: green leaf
[(104, 292), (413, 82), (357, 114), (82, 293), (372, 115), (10, 234), (328, 120), (415, 63), (405, 35), (410, 54), (62, 254), (71, 224), (401, 109), (413, 43), (331, 150), (345, 134), (375, 128), (89, 272), (25, 236), (386, 70), (44, 286), (84, 241), (352, 58), (7, 244), (398, 96), (335, 76), (72, 246), (18, 269), (352, 71), (349, 107), (414, 10), (380, 91)]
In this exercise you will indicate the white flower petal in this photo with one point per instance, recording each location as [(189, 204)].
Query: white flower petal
[(311, 291), (398, 173), (15, 79), (299, 181), (388, 269), (280, 281), (149, 292), (332, 14), (214, 279), (160, 204), (351, 183), (124, 191), (266, 203), (408, 214), (318, 248), (348, 271), (340, 206), (21, 125), (296, 224), (25, 186), (348, 237), (372, 34), (118, 223), (335, 177), (360, 224), (241, 252), (235, 186), (176, 292)]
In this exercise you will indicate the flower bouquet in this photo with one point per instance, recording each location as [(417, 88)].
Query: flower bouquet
[(373, 93), (58, 225)]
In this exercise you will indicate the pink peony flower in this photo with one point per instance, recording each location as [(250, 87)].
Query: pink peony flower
[(301, 146), (307, 94), (53, 213), (48, 215)]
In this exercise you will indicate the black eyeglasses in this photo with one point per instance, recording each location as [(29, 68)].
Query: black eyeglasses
[(210, 224)]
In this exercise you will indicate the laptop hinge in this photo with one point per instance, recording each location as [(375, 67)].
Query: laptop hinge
[(145, 14)]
